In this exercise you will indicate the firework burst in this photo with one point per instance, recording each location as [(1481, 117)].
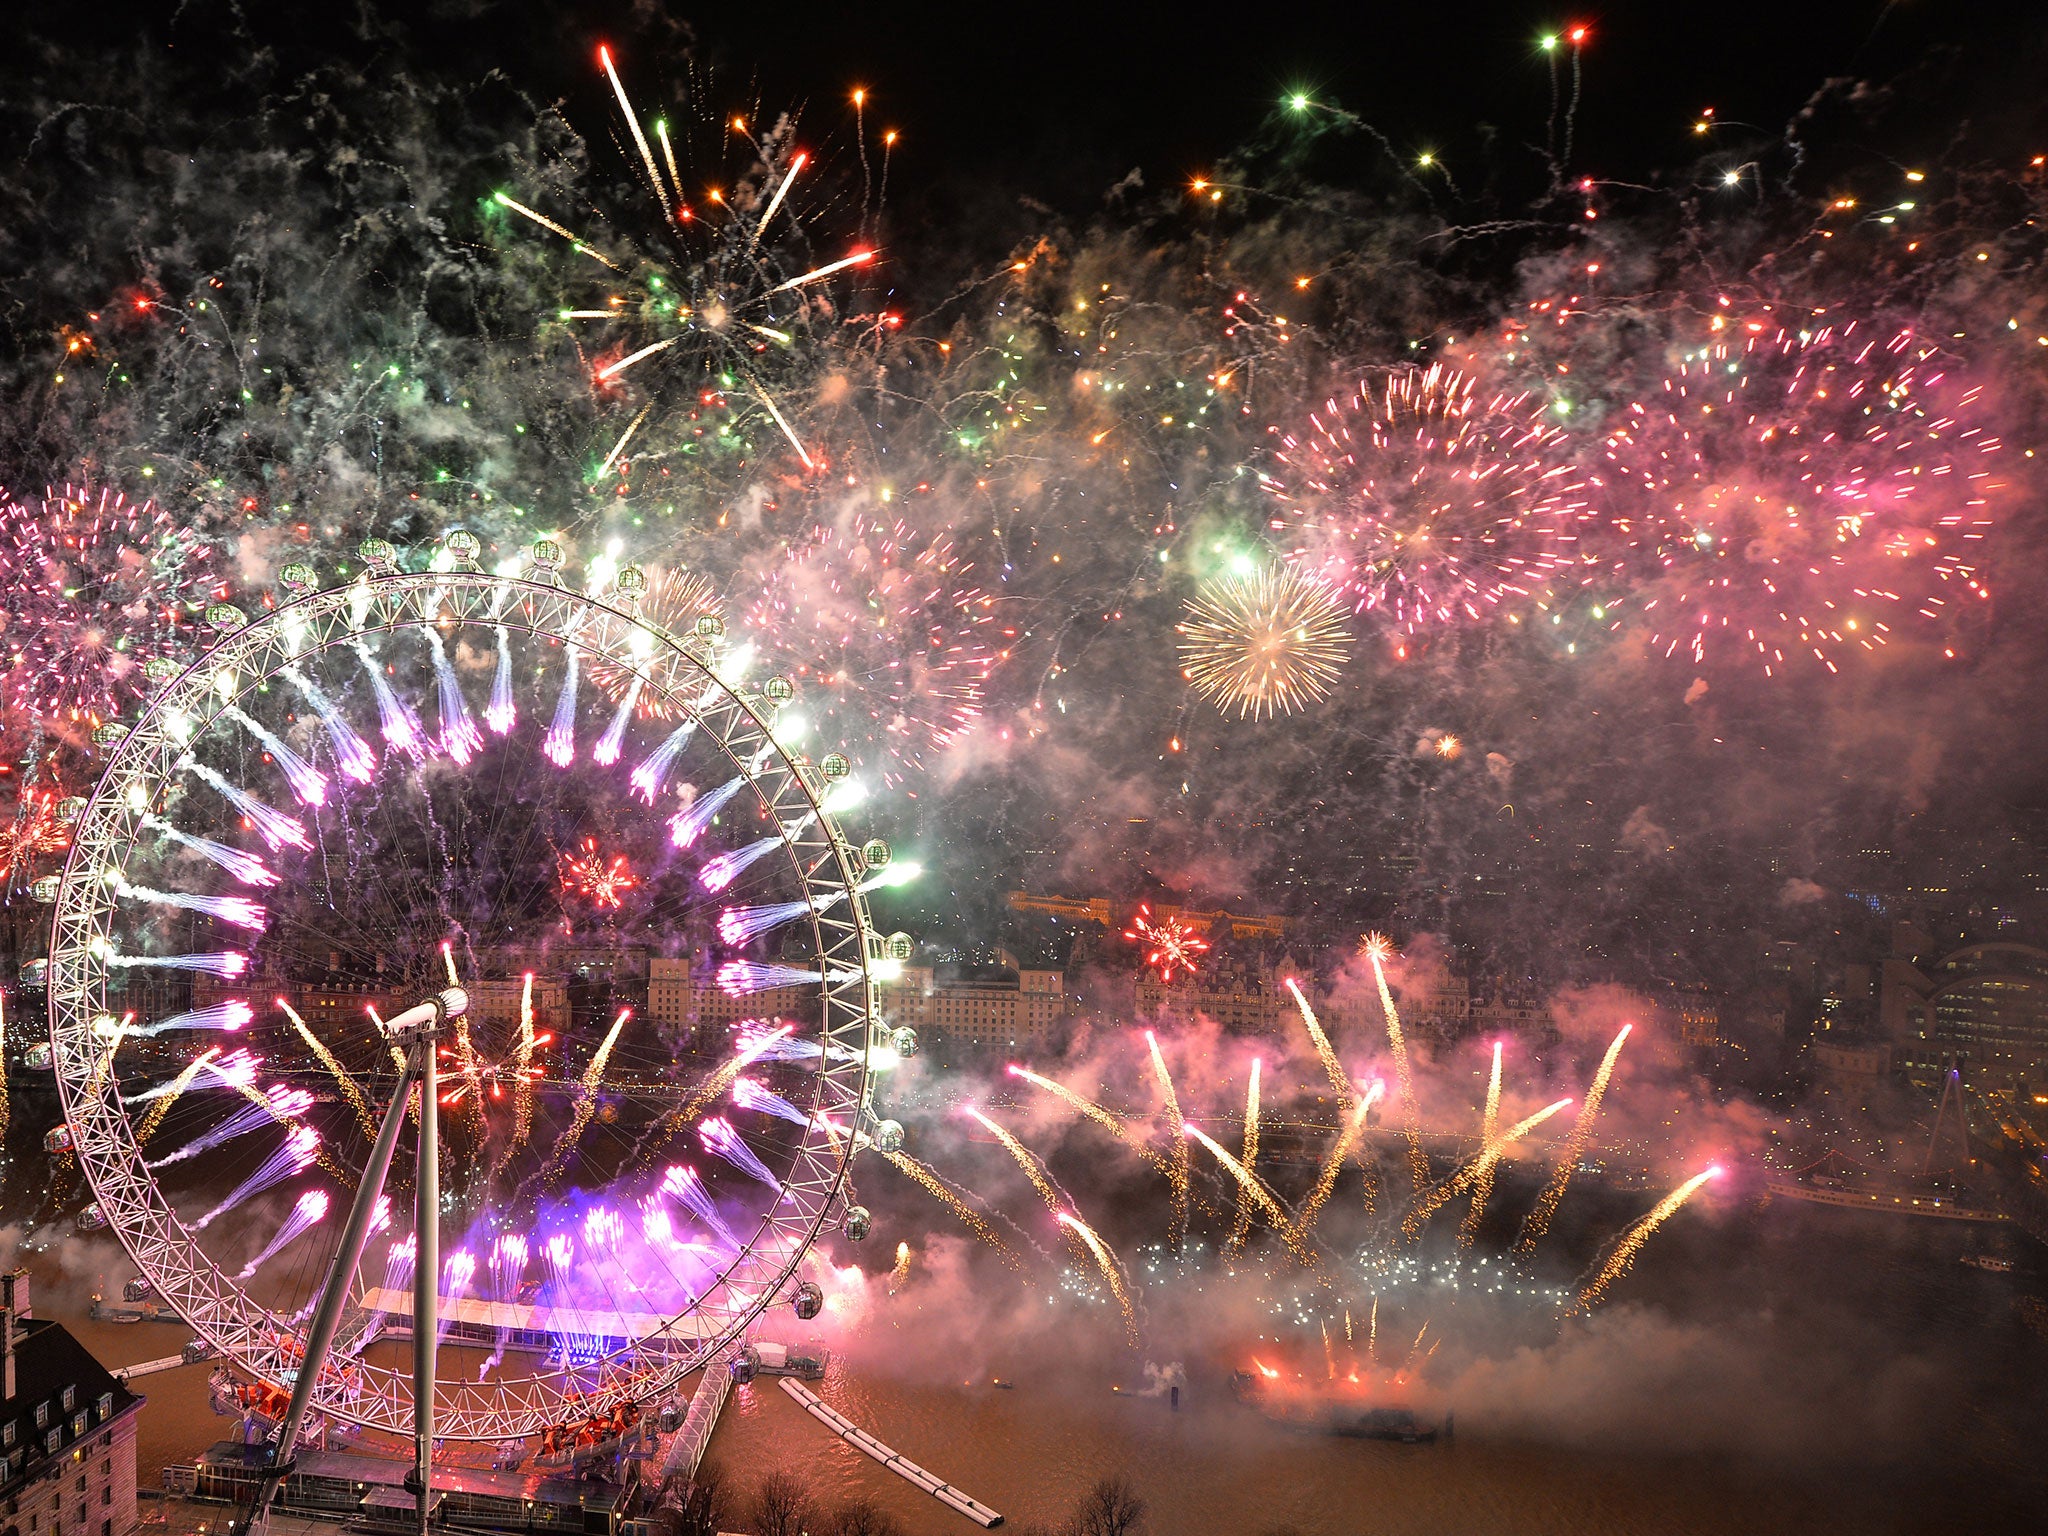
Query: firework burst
[(674, 601), (98, 586), (1171, 944), (1798, 494), (890, 629), (709, 315), (1429, 502), (36, 828), (1265, 643), (600, 881)]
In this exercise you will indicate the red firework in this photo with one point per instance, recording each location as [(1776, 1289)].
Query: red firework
[(602, 883), (1170, 943), (33, 830)]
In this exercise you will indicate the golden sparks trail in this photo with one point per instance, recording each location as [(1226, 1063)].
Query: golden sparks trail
[(1434, 1199), (1409, 1364), (1025, 1160), (1372, 1333), (1482, 1186), (1111, 1272), (663, 1130), (522, 1087), (1632, 1242), (1537, 1222), (1376, 949), (1327, 1181), (1177, 1229), (326, 1160), (4, 1110), (1325, 1052), (465, 1053), (1241, 1228), (1258, 1192), (397, 1056), (901, 1272), (179, 1084), (1098, 1114), (722, 1079), (974, 1220), (342, 1080), (105, 1064), (586, 1096)]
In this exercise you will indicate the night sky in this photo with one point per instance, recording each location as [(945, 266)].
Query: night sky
[(149, 151)]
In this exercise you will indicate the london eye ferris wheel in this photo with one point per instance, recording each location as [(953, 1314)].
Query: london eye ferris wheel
[(338, 978)]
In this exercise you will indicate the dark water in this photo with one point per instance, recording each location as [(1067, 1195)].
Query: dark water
[(1790, 1370)]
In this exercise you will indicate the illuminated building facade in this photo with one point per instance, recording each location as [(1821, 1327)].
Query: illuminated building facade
[(67, 1430), (1982, 1008)]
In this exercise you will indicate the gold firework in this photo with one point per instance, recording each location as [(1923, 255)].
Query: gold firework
[(673, 602), (1264, 643)]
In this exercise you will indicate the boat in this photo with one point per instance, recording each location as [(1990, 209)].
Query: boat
[(807, 1362), (1995, 1263), (1335, 1413), (104, 1311), (997, 1381), (1381, 1424)]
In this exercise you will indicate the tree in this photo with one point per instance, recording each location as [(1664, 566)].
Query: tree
[(693, 1508), (782, 1505), (863, 1517), (1112, 1508)]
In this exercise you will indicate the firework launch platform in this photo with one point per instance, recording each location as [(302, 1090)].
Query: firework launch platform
[(469, 1320)]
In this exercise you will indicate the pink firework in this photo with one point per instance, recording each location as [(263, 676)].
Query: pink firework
[(98, 586), (1791, 495), (888, 632), (1429, 501)]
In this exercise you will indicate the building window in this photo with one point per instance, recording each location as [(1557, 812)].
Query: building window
[(7, 1436), (42, 1415), (70, 1398)]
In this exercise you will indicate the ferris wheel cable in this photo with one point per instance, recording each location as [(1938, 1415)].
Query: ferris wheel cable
[(307, 782), (352, 754), (245, 867), (272, 825)]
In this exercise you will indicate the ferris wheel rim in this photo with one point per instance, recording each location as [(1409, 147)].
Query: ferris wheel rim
[(843, 942)]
